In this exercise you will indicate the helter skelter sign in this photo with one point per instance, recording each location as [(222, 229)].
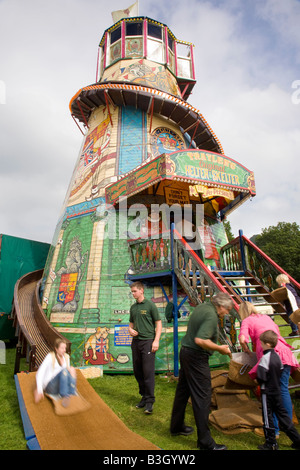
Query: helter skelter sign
[(213, 169), (194, 167)]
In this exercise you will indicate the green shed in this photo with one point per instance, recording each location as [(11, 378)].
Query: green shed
[(18, 256)]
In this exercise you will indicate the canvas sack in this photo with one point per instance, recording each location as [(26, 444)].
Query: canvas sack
[(240, 365), (295, 316)]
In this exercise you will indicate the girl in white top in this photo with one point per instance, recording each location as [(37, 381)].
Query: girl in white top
[(55, 376)]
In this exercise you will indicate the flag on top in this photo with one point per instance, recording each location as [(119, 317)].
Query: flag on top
[(133, 10)]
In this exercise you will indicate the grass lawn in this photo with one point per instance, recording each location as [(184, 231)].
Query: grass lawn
[(11, 427), (120, 392), (156, 426)]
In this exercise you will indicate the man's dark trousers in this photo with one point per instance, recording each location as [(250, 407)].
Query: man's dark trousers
[(195, 382), (144, 367)]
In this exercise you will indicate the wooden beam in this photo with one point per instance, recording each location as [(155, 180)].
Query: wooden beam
[(107, 104)]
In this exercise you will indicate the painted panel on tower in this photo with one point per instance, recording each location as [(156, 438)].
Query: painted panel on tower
[(142, 72), (132, 138)]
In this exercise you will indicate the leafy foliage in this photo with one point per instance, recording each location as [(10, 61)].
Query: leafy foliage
[(282, 244)]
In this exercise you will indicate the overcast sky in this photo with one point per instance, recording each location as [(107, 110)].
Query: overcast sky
[(247, 55)]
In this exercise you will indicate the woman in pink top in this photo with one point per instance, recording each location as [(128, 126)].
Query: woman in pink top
[(255, 323)]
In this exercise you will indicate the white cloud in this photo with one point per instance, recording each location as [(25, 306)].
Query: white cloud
[(246, 56), (284, 18)]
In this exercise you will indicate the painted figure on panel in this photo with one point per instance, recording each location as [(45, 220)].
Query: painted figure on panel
[(98, 342), (71, 274)]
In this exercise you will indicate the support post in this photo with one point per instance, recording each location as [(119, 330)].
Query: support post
[(175, 309), (151, 117), (107, 105), (243, 259)]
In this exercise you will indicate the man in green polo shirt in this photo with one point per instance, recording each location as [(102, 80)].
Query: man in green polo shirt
[(145, 328), (194, 381)]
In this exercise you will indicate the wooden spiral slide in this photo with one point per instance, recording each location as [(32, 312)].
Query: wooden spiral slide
[(92, 427)]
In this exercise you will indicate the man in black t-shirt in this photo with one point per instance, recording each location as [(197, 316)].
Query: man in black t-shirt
[(145, 328), (194, 381)]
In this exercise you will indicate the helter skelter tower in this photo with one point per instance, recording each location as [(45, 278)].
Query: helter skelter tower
[(143, 145)]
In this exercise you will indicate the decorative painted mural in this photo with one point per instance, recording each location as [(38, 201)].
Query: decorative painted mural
[(96, 164), (165, 140), (142, 72), (86, 291), (71, 274)]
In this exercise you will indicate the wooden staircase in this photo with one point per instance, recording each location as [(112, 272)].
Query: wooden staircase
[(245, 286), (247, 274)]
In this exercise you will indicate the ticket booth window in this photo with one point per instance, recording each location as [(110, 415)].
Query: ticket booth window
[(184, 64), (171, 53), (134, 39), (155, 45), (115, 45)]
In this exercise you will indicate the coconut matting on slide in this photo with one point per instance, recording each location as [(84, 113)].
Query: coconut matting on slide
[(92, 426)]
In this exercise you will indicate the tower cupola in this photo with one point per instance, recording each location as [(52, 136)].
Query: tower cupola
[(146, 39)]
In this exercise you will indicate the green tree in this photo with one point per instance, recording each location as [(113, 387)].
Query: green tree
[(282, 244), (228, 230)]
